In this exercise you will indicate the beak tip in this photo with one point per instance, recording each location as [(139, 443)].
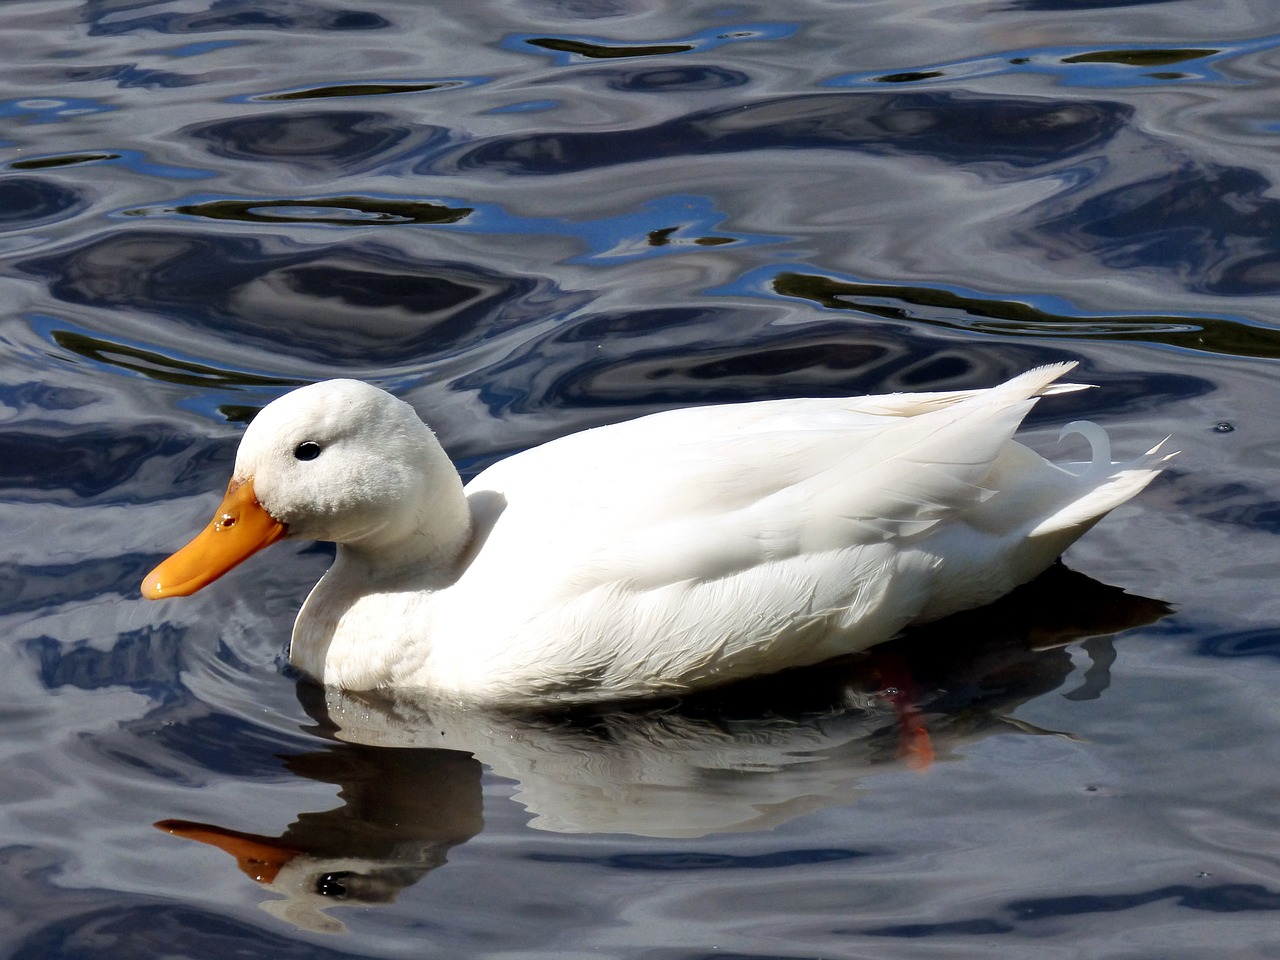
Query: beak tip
[(161, 585)]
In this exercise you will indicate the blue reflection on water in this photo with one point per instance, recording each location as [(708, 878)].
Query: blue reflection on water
[(51, 109)]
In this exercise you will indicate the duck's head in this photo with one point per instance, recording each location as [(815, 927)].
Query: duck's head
[(339, 460)]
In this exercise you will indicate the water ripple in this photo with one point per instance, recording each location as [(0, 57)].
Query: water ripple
[(26, 201), (578, 49), (1215, 898), (342, 138), (345, 90), (329, 211), (106, 20), (372, 304), (955, 128), (968, 310), (1110, 67)]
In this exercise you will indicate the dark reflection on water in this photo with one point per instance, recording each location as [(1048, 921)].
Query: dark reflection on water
[(370, 304), (332, 211), (1264, 642), (144, 660), (106, 18), (668, 79), (347, 139), (1215, 898), (987, 315), (148, 928), (88, 465), (45, 396), (124, 75), (1092, 6), (25, 201), (157, 365), (28, 587), (1140, 58), (359, 90), (704, 367), (1259, 515), (66, 160), (600, 51), (1179, 220), (955, 128)]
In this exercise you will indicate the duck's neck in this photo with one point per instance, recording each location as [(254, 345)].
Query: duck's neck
[(425, 541), (366, 614)]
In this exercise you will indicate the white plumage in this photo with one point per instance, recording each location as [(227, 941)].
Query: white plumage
[(668, 553)]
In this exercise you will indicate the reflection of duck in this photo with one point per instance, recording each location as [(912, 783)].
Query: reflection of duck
[(714, 763), (402, 814), (678, 551)]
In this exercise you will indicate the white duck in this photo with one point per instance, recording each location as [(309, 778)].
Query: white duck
[(677, 551)]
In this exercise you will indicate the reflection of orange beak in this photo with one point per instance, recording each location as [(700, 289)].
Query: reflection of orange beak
[(240, 528), (260, 858)]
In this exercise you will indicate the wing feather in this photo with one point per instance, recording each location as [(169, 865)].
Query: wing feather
[(701, 497)]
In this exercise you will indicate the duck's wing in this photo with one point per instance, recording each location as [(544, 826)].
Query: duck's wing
[(703, 494)]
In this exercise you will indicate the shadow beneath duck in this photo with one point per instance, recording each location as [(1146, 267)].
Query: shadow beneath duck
[(746, 757)]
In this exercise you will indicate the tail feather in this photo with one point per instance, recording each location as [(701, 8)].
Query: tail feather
[(1099, 445), (1107, 484)]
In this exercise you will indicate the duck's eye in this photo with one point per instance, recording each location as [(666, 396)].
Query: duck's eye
[(307, 450)]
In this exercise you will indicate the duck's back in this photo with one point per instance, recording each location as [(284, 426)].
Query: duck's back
[(706, 544)]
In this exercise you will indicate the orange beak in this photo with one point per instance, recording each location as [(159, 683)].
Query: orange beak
[(239, 529)]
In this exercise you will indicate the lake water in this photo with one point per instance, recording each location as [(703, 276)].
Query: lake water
[(528, 217)]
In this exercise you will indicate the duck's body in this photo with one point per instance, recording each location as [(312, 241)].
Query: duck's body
[(677, 551)]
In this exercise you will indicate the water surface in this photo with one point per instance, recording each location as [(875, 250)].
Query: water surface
[(528, 218)]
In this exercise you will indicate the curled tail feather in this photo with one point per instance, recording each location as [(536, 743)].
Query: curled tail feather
[(1105, 485), (1099, 446)]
